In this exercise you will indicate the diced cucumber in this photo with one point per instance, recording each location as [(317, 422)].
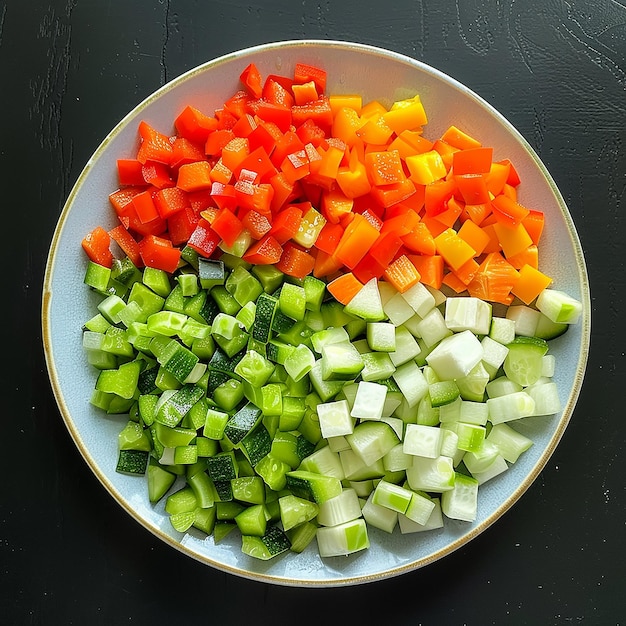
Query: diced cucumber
[(343, 539), (467, 313), (295, 511), (367, 303), (342, 508), (371, 440), (559, 307), (455, 356), (524, 360), (311, 486), (271, 544), (461, 502)]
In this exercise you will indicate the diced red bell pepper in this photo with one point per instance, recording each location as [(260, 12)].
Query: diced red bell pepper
[(170, 200), (251, 78), (286, 223), (204, 240), (129, 172), (127, 244), (227, 225), (194, 125), (157, 174), (96, 245), (180, 225), (304, 72), (145, 207), (158, 252), (266, 251), (276, 93), (295, 262), (155, 146)]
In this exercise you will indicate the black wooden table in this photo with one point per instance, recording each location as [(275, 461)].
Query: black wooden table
[(70, 70)]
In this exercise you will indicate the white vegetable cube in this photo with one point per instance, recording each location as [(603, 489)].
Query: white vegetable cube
[(502, 386), (371, 440), (472, 386), (342, 539), (381, 336), (545, 397), (548, 365), (420, 299), (461, 502), (367, 303), (397, 459), (435, 475), (420, 440), (480, 459), (494, 352), (496, 468), (502, 330), (407, 347), (432, 328), (456, 355), (435, 521), (392, 496), (335, 418), (396, 424), (449, 443), (344, 507), (379, 516), (411, 382), (511, 406), (420, 508), (398, 310), (509, 442), (559, 306), (525, 318), (369, 401), (468, 313)]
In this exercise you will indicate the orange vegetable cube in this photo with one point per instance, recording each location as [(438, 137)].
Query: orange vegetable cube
[(530, 284), (454, 250), (426, 168), (402, 274)]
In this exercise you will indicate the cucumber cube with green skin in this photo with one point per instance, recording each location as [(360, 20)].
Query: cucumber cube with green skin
[(367, 303), (343, 539), (273, 543), (341, 361), (392, 496), (312, 486), (211, 273), (559, 307), (292, 301)]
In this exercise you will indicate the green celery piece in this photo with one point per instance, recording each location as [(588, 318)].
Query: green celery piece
[(272, 471), (157, 280), (122, 381), (269, 277), (97, 276), (188, 283), (148, 301), (254, 368), (292, 301), (225, 301), (243, 286), (229, 394)]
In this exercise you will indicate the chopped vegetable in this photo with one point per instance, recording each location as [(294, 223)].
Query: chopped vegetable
[(299, 320)]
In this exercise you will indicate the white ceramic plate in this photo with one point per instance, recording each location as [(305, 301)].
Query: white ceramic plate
[(375, 74)]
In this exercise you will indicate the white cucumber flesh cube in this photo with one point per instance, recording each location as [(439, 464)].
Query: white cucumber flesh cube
[(335, 419), (494, 352), (497, 467), (548, 365), (510, 407), (398, 310), (479, 460), (381, 336), (411, 381), (397, 459), (367, 303), (502, 330), (432, 328), (559, 306), (502, 386), (420, 508), (341, 361), (545, 397), (371, 440), (342, 539), (468, 313), (461, 502), (455, 356), (510, 443), (342, 508), (435, 475), (392, 496), (299, 362), (407, 347), (334, 334), (369, 401), (435, 520), (420, 440), (379, 516), (324, 461), (396, 423), (419, 299), (525, 318)]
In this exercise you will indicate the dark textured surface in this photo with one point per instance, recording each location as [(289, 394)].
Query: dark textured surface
[(70, 70)]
